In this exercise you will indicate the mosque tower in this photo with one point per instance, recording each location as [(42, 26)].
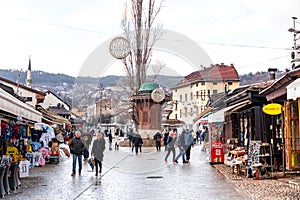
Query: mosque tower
[(28, 79)]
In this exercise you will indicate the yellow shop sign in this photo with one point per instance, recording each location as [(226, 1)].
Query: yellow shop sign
[(272, 109)]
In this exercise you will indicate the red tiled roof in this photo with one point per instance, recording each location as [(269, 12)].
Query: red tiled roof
[(215, 73)]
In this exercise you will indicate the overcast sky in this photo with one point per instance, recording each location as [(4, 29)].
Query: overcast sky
[(60, 34)]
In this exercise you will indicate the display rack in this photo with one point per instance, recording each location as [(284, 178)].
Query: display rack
[(266, 157)]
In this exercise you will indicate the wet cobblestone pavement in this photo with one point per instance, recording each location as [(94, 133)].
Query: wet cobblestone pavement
[(129, 176), (147, 176), (267, 189)]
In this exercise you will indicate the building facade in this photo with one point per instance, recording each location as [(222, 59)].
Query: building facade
[(191, 94)]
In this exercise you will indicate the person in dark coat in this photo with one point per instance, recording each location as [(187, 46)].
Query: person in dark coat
[(165, 135), (137, 141), (76, 149), (130, 137), (182, 147), (97, 152), (157, 137), (110, 138)]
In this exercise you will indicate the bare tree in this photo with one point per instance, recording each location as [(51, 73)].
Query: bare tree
[(141, 32)]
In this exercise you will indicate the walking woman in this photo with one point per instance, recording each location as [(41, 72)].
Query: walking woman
[(97, 152), (170, 146)]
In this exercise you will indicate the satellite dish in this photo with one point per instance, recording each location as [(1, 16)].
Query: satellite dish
[(158, 95)]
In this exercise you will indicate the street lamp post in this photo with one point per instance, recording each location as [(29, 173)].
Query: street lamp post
[(295, 55), (100, 119), (293, 30), (100, 98)]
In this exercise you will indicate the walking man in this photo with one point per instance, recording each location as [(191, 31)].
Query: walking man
[(110, 140), (138, 142), (182, 147), (189, 143), (76, 149)]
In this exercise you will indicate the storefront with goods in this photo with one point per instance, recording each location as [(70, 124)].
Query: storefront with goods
[(25, 141), (260, 129)]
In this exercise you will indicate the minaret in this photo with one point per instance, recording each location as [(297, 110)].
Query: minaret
[(29, 80)]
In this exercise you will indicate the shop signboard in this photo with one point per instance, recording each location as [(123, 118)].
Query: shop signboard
[(272, 109)]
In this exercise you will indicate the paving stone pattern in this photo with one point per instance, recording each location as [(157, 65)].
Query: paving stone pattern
[(129, 176)]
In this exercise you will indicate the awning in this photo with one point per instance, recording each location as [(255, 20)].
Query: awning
[(293, 89), (10, 104), (217, 116), (52, 117), (202, 114), (237, 106)]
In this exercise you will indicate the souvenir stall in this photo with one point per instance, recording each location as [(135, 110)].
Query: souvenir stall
[(51, 145), (16, 119)]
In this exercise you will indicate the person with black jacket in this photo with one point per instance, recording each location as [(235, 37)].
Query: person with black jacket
[(76, 149), (138, 142), (110, 138), (165, 135), (157, 137)]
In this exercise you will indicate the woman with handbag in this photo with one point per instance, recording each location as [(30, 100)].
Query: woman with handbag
[(97, 152)]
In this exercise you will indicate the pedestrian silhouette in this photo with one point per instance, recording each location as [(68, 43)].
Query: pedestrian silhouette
[(170, 144), (157, 138), (97, 152)]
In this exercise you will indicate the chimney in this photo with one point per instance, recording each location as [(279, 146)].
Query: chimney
[(272, 73)]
